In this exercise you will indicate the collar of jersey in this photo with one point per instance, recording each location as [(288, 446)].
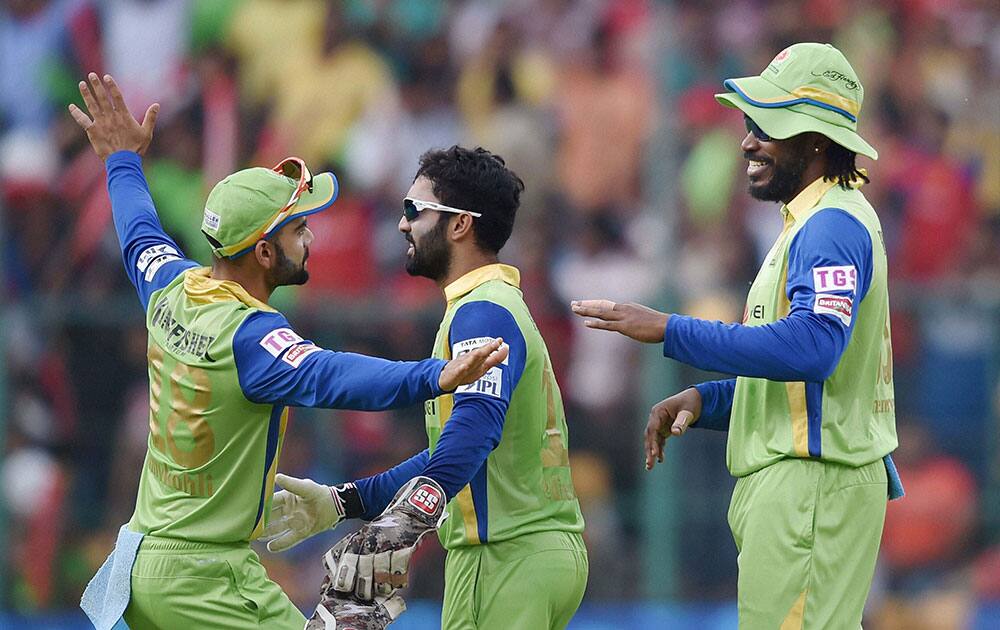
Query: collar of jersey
[(808, 198), (478, 276), (200, 287)]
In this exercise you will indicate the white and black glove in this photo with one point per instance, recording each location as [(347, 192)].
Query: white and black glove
[(305, 508), (376, 558), (340, 611)]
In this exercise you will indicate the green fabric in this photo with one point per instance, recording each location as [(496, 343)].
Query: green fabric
[(541, 576), (818, 72), (806, 526), (528, 479), (188, 586), (204, 472), (858, 409)]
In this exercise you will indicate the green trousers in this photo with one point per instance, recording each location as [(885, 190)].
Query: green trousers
[(808, 533), (178, 585), (533, 582)]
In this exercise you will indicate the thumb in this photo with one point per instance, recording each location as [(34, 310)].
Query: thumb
[(294, 484), (681, 422), (149, 120)]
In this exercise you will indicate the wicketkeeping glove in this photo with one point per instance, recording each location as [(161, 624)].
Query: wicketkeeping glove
[(305, 508), (376, 558), (339, 611)]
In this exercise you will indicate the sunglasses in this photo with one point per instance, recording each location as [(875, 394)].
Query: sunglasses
[(413, 207), (753, 128)]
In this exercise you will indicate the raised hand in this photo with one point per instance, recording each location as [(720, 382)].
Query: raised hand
[(470, 367), (110, 126), (669, 417), (632, 320)]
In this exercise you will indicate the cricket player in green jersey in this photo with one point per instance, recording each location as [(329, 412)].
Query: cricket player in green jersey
[(223, 368), (498, 448), (810, 414)]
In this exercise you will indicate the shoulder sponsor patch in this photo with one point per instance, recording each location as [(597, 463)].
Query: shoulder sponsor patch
[(843, 278), (490, 384), (152, 253), (156, 264), (278, 340), (840, 306), (469, 345), (298, 353)]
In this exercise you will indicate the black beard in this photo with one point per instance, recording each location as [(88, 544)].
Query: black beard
[(786, 179), (432, 257), (286, 272)]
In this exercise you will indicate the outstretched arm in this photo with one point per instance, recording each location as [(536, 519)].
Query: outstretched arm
[(829, 270), (152, 259)]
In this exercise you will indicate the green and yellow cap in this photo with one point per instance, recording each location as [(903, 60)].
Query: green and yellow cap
[(806, 87), (252, 204)]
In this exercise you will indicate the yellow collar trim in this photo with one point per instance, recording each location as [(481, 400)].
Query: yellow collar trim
[(199, 286), (809, 197), (479, 276)]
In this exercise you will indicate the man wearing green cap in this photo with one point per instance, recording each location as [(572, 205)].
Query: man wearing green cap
[(223, 368), (810, 414)]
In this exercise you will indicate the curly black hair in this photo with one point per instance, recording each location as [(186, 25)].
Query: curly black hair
[(840, 166), (478, 181)]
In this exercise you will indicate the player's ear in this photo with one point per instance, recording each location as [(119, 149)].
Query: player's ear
[(461, 226), (265, 254)]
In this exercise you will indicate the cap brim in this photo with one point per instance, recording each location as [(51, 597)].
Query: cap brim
[(782, 116), (324, 192)]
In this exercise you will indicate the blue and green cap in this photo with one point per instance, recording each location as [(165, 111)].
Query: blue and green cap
[(252, 204), (806, 87)]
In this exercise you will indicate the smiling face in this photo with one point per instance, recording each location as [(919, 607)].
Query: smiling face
[(777, 168), (429, 253), (291, 245)]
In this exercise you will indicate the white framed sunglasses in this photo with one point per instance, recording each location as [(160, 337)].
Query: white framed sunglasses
[(413, 207)]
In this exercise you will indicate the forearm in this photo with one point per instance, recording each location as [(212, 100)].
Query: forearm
[(471, 433), (800, 347), (378, 490), (716, 404), (132, 206)]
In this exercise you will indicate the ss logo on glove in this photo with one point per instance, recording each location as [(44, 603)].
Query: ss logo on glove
[(425, 498)]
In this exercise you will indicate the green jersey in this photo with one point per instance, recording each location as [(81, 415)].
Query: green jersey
[(223, 367), (525, 484), (849, 417)]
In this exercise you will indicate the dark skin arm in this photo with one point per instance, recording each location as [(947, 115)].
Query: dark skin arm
[(632, 320)]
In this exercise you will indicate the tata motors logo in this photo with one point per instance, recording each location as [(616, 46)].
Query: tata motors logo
[(425, 498)]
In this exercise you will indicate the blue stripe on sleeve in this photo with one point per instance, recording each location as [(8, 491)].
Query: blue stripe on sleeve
[(716, 404), (378, 490), (805, 345), (477, 418), (323, 378), (152, 259)]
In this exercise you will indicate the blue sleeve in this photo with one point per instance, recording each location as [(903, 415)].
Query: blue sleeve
[(378, 490), (829, 270), (276, 366), (476, 423), (716, 404), (152, 259)]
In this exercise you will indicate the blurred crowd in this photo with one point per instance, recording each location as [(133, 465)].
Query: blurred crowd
[(635, 191)]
